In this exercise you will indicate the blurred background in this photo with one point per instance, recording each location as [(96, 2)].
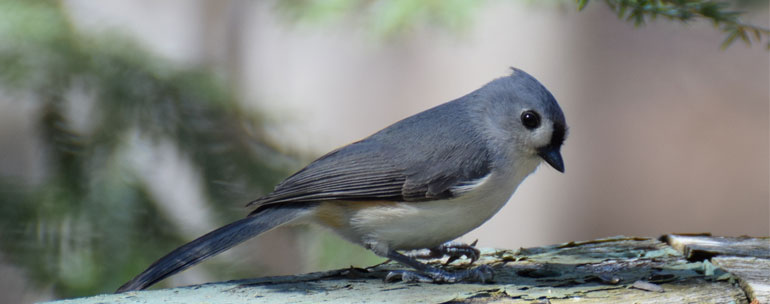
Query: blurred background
[(131, 127)]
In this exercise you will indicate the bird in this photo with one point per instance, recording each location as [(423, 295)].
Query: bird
[(417, 184)]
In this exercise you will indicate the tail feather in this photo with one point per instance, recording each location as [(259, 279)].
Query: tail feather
[(213, 243)]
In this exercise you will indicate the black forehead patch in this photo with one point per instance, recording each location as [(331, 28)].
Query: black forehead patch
[(558, 135)]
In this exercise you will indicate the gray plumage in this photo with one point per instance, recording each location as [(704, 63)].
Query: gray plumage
[(416, 168), (440, 173), (403, 162)]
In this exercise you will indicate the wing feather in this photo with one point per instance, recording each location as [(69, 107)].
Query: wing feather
[(394, 164)]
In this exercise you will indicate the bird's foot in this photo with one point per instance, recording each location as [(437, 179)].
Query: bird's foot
[(456, 250), (481, 274), (453, 250), (428, 274)]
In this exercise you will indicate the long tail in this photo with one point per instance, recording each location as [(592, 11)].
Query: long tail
[(213, 243)]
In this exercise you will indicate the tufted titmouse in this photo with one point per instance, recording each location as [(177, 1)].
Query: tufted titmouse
[(416, 184)]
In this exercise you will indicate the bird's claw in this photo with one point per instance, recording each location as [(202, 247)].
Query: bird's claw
[(457, 250), (481, 274), (453, 250)]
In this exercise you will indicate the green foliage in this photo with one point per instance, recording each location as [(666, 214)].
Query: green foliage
[(384, 18), (91, 223), (390, 18), (718, 12)]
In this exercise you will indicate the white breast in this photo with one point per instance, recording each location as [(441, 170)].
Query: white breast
[(417, 225)]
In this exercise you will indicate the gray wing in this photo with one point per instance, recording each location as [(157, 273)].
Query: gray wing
[(392, 165), (357, 172)]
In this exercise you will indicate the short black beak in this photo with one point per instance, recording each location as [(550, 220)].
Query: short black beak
[(552, 156)]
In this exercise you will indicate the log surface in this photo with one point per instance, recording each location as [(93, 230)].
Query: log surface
[(748, 259), (612, 270)]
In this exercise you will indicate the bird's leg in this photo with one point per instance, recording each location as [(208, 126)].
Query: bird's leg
[(428, 274), (454, 250)]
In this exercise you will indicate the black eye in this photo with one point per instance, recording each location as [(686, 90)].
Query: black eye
[(530, 119)]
